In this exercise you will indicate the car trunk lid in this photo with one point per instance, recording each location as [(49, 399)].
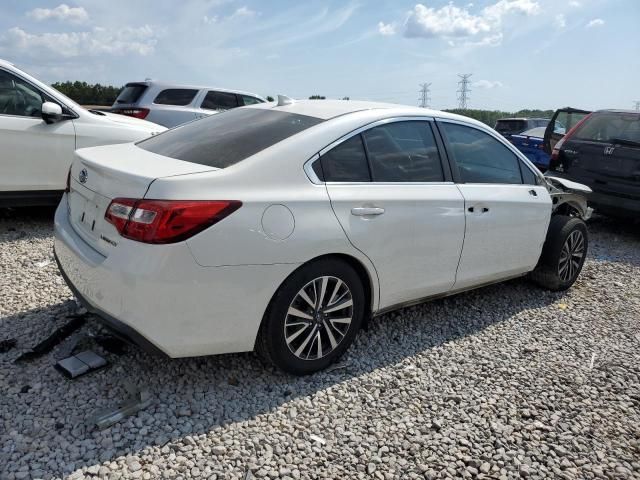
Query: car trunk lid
[(98, 175)]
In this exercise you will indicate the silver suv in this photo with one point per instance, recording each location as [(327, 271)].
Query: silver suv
[(171, 105)]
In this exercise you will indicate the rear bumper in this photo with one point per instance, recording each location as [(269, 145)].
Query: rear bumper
[(158, 296), (621, 205), (114, 324), (614, 205)]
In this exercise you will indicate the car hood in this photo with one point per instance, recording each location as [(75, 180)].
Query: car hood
[(128, 122)]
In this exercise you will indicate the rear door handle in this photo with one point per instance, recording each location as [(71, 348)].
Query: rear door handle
[(364, 211), (533, 193)]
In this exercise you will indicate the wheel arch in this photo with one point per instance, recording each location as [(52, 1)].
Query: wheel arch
[(367, 276)]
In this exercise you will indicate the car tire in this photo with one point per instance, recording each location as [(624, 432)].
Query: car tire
[(304, 331), (563, 253)]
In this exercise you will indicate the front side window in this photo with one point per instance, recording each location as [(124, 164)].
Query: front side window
[(480, 157), (175, 96), (17, 97), (346, 162), (403, 152), (219, 101), (229, 137)]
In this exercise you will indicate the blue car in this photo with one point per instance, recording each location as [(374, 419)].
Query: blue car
[(531, 144)]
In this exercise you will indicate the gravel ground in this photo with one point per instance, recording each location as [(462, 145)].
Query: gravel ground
[(508, 381)]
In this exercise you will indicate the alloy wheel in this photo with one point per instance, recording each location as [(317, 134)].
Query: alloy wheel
[(318, 318), (571, 256)]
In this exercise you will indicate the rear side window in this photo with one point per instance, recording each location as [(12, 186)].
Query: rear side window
[(347, 162), (131, 93), (229, 137), (480, 157), (403, 152), (610, 127), (220, 101), (246, 100), (175, 96)]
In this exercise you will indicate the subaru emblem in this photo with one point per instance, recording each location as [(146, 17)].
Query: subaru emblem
[(83, 175)]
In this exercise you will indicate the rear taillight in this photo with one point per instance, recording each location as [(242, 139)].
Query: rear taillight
[(166, 221), (67, 188), (132, 112)]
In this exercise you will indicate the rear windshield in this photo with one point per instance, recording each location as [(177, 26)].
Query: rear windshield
[(227, 138), (175, 96), (131, 93), (610, 127), (511, 126)]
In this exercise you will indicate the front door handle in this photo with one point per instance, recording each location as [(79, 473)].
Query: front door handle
[(533, 193), (364, 211), (479, 209)]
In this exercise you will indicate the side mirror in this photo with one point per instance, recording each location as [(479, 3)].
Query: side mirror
[(51, 112)]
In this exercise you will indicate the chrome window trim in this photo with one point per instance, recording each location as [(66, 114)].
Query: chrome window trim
[(314, 178), (308, 169), (377, 123), (492, 133)]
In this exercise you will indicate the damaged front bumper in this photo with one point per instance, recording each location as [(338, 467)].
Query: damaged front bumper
[(569, 196)]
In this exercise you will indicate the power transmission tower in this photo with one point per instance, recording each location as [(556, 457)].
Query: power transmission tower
[(636, 105), (424, 95), (463, 90)]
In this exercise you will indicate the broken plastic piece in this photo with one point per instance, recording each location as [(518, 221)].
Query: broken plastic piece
[(80, 364), (54, 339), (140, 400)]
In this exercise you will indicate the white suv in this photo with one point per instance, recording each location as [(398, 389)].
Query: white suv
[(39, 130), (170, 104)]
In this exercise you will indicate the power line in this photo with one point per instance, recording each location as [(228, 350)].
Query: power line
[(424, 95), (463, 90), (636, 105)]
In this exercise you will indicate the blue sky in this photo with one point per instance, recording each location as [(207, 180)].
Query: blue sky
[(522, 53)]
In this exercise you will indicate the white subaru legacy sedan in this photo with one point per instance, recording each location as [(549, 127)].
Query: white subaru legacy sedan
[(283, 227), (39, 130)]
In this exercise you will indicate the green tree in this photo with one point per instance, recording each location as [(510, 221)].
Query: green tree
[(317, 97), (270, 98), (88, 94)]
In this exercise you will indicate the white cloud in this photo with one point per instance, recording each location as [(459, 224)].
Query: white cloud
[(92, 43), (560, 21), (575, 4), (62, 12), (207, 20), (243, 12), (596, 22), (449, 21), (386, 29), (488, 84)]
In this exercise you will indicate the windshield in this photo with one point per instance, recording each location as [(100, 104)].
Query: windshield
[(610, 127), (227, 138)]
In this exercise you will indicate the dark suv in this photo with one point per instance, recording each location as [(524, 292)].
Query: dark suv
[(603, 152)]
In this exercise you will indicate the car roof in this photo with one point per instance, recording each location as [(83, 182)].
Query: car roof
[(6, 63), (617, 110), (523, 118), (165, 85), (327, 109)]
